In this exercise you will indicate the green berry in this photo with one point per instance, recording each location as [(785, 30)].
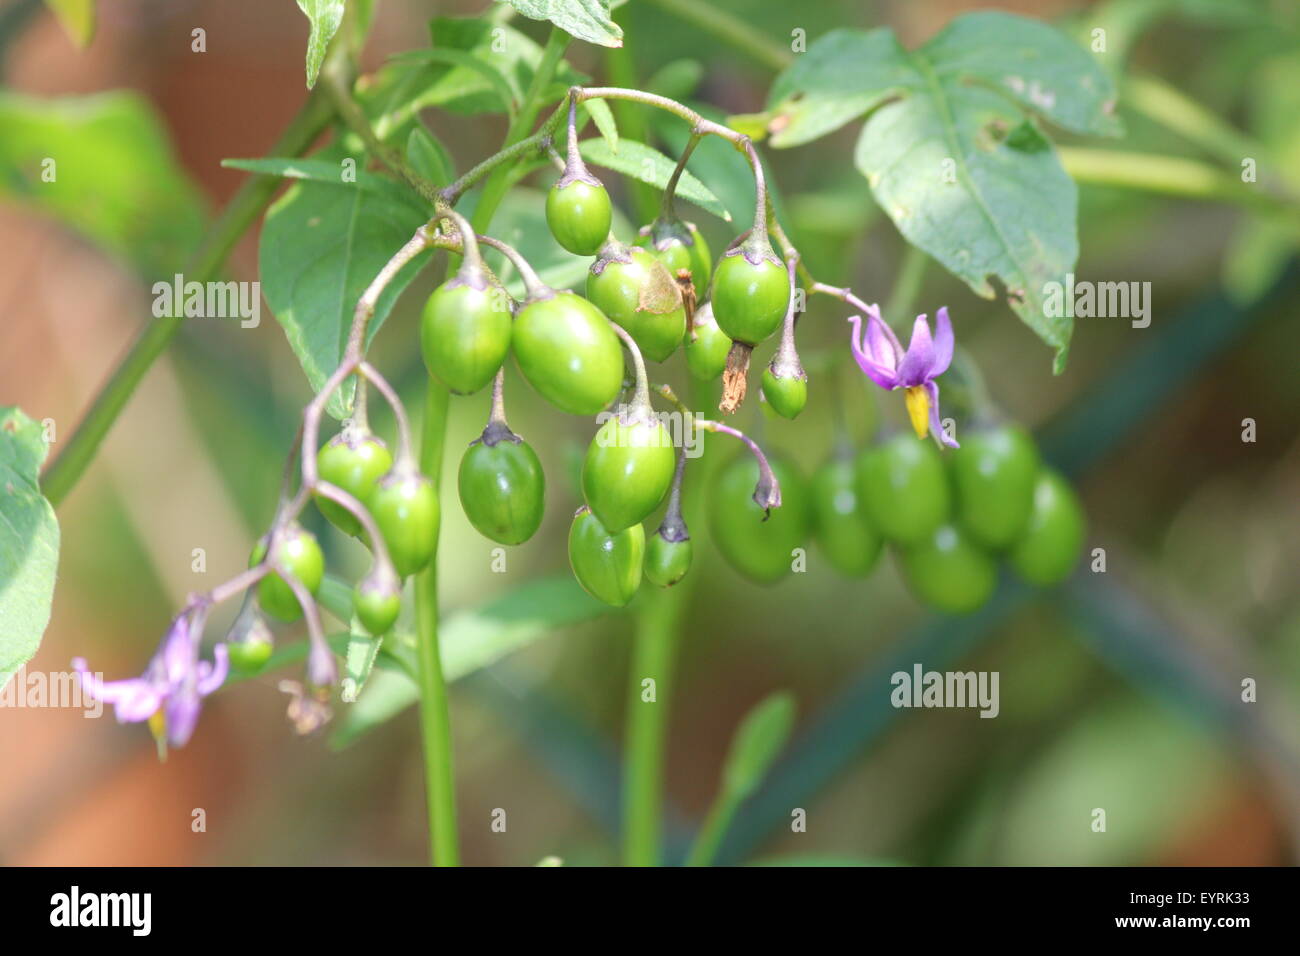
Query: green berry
[(567, 351), (666, 562), (628, 469), (354, 461), (762, 550), (750, 297), (949, 571), (994, 472), (465, 333), (641, 296), (579, 214), (249, 656), (502, 487), (299, 554), (904, 488), (377, 600), (786, 394), (1049, 548), (405, 509), (846, 534), (706, 345), (606, 564)]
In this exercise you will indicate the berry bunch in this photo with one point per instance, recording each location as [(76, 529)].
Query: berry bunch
[(947, 520)]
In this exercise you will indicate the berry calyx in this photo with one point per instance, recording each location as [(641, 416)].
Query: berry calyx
[(678, 245)]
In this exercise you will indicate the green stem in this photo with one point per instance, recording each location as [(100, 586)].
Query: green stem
[(731, 30), (498, 183), (654, 649), (1169, 175), (907, 286), (435, 711), (244, 207), (1160, 101), (714, 828), (633, 123)]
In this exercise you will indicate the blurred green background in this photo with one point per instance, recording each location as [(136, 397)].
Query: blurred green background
[(1120, 691)]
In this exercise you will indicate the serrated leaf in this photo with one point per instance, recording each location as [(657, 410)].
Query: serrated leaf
[(651, 166), (325, 17), (77, 18), (29, 542), (951, 150), (102, 164), (603, 117), (759, 739), (321, 246), (429, 157), (474, 639), (587, 20)]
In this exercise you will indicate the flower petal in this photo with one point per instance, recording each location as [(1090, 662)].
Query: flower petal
[(212, 676), (936, 423), (182, 716), (943, 343), (133, 700), (916, 364), (882, 376), (882, 344)]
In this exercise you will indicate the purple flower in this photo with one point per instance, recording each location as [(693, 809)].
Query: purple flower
[(882, 358), (169, 693)]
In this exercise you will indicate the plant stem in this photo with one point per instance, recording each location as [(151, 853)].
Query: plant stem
[(435, 711), (244, 207), (714, 828), (731, 30), (654, 649)]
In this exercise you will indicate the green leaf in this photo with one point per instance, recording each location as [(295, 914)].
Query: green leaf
[(651, 166), (952, 150), (429, 157), (29, 542), (759, 739), (102, 165), (359, 660), (584, 19), (77, 17), (472, 640), (410, 83), (603, 117), (330, 173), (321, 247), (475, 64), (325, 17)]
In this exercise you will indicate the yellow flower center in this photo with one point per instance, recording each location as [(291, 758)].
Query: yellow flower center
[(918, 408)]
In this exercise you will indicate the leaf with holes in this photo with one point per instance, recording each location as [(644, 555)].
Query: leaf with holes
[(952, 147), (29, 542)]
